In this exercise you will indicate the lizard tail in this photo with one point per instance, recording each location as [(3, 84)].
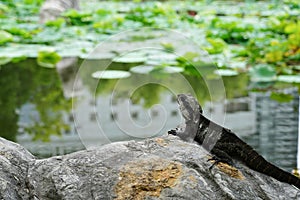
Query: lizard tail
[(258, 163)]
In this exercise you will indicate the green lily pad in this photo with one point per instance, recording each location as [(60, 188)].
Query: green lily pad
[(171, 69), (263, 73), (56, 23), (48, 58), (76, 48), (237, 65), (5, 37), (226, 72), (163, 57), (130, 59), (133, 57), (110, 74), (217, 45), (142, 69), (20, 50), (289, 78), (167, 46), (160, 62), (146, 69)]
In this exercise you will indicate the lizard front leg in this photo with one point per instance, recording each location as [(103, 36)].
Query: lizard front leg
[(220, 156)]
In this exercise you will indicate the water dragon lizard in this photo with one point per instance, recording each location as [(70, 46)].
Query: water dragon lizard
[(221, 142)]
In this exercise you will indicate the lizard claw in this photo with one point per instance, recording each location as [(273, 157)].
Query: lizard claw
[(214, 158), (172, 132), (217, 160)]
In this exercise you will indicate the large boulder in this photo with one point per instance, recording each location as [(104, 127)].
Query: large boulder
[(157, 168), (14, 165)]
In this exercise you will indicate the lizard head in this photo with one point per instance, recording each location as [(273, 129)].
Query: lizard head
[(191, 112), (189, 107)]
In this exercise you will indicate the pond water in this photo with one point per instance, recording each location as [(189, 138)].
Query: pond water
[(58, 111)]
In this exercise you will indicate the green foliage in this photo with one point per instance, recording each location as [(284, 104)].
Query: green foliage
[(293, 4), (167, 46), (263, 73), (103, 12), (217, 45), (281, 97), (48, 58), (112, 22), (19, 32), (5, 37), (244, 33), (3, 9), (78, 18), (232, 30), (151, 14), (36, 2), (46, 36), (59, 22)]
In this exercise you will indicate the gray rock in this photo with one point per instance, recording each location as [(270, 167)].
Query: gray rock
[(14, 164), (51, 9), (158, 168)]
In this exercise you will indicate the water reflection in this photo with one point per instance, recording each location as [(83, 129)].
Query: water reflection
[(31, 101), (35, 104), (276, 133)]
